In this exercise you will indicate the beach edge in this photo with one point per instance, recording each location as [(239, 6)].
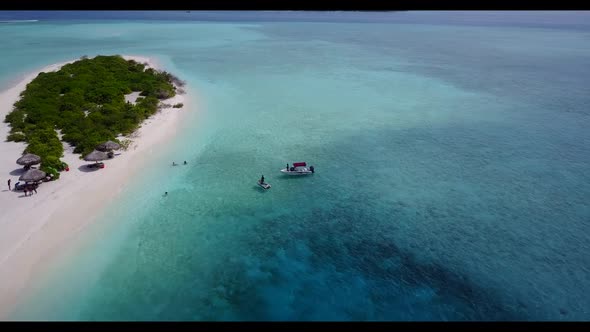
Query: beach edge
[(62, 209)]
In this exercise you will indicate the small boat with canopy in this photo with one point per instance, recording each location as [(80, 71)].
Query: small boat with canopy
[(299, 168)]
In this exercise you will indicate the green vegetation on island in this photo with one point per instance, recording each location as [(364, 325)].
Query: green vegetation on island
[(85, 102)]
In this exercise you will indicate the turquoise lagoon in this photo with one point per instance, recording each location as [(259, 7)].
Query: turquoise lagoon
[(452, 174)]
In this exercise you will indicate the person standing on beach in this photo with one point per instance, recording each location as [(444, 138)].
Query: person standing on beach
[(9, 185)]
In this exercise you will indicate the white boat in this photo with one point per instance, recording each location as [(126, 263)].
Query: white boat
[(299, 168), (263, 185)]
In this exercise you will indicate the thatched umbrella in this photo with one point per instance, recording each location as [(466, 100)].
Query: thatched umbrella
[(108, 146), (96, 156), (32, 175), (28, 160)]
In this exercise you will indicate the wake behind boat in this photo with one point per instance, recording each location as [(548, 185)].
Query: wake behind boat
[(299, 168)]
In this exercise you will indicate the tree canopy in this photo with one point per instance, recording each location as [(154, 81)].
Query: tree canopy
[(85, 100)]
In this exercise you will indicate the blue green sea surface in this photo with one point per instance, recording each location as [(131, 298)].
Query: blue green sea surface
[(452, 173)]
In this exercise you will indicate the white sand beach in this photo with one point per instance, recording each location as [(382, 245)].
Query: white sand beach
[(34, 228)]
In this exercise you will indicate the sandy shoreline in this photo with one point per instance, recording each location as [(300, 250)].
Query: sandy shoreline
[(32, 229)]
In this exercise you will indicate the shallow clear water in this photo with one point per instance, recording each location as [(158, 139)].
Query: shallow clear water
[(452, 175)]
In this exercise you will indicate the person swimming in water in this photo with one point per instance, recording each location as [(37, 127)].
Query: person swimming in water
[(166, 193), (185, 162), (174, 163)]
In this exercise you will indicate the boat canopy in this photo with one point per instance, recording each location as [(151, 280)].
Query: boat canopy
[(299, 164)]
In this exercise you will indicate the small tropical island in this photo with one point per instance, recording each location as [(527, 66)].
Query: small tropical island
[(86, 103), (65, 119)]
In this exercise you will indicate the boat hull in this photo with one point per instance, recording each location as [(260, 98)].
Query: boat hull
[(296, 173), (263, 185)]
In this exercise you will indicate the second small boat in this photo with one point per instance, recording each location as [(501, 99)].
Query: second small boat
[(263, 185)]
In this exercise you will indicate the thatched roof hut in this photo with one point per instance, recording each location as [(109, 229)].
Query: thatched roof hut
[(96, 156), (29, 159), (32, 175), (108, 146)]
